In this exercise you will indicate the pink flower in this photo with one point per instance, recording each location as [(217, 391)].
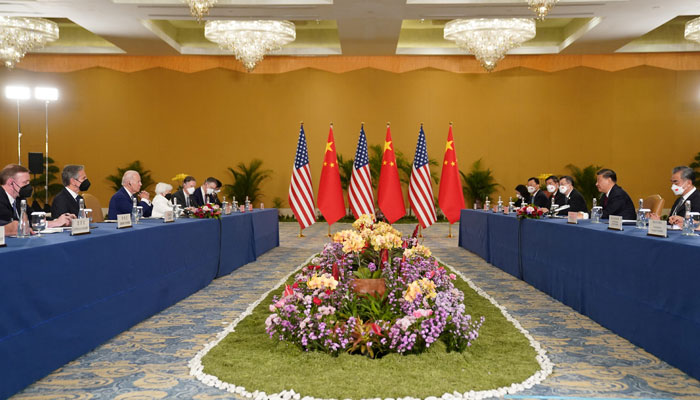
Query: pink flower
[(317, 301), (529, 209), (376, 329), (453, 276), (422, 313)]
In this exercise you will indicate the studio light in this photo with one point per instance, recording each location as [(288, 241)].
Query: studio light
[(18, 93)]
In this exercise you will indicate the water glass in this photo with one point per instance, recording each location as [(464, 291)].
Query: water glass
[(38, 222), (139, 213), (88, 214), (262, 206), (596, 213)]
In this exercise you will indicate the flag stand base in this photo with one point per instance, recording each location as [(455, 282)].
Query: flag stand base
[(301, 235), (329, 230), (449, 235), (420, 231)]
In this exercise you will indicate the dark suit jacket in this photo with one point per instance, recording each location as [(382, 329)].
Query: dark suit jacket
[(180, 197), (121, 203), (678, 207), (520, 202), (576, 203), (541, 200), (7, 212), (65, 203), (619, 203), (559, 198), (198, 197)]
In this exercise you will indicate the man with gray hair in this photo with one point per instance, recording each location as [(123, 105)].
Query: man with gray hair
[(122, 201), (74, 181), (683, 186)]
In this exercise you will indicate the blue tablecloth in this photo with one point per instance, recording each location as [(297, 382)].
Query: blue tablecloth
[(62, 296), (643, 288)]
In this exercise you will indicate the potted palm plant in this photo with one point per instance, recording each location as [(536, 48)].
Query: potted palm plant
[(479, 183)]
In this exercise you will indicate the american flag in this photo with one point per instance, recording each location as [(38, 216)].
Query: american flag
[(301, 192), (360, 193), (420, 190)]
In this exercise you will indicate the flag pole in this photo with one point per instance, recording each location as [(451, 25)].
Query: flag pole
[(329, 230), (301, 235), (449, 235), (420, 231)]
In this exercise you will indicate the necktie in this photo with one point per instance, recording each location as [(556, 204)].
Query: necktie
[(15, 207), (187, 199), (605, 201)]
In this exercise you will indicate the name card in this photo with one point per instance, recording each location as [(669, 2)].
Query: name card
[(123, 221), (615, 222), (80, 226), (506, 210), (572, 217), (168, 216), (658, 228), (227, 209), (2, 236)]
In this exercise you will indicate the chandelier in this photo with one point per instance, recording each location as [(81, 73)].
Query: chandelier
[(692, 30), (489, 39), (19, 35), (541, 7), (250, 40), (200, 8)]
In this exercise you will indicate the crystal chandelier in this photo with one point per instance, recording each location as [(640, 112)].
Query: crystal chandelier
[(541, 7), (250, 40), (200, 8), (692, 30), (19, 35), (489, 39)]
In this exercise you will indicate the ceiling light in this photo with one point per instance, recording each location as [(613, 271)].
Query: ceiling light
[(541, 7), (489, 39), (19, 35), (692, 30), (250, 40), (200, 8)]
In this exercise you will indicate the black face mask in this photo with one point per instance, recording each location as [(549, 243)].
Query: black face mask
[(169, 196), (84, 185), (25, 191)]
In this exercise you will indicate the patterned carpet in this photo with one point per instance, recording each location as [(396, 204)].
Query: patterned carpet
[(150, 360)]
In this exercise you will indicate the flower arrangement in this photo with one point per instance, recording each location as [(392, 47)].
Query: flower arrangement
[(322, 310), (207, 211), (529, 211)]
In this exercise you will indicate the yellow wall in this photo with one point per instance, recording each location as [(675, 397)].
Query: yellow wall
[(640, 122)]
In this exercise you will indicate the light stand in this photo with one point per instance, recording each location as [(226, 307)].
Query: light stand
[(47, 95), (18, 93)]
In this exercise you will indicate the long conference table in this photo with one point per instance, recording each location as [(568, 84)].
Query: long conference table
[(645, 289), (61, 296)]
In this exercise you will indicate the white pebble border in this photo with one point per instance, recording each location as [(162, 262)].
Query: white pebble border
[(196, 368)]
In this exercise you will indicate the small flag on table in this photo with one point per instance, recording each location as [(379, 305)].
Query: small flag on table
[(451, 196), (330, 191), (360, 194), (420, 189), (301, 192), (389, 194)]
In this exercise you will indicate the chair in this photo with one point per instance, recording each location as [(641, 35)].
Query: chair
[(94, 204), (655, 203)]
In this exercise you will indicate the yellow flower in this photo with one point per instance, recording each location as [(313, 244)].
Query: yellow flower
[(412, 291), (366, 221), (323, 281), (417, 250), (351, 240), (180, 177)]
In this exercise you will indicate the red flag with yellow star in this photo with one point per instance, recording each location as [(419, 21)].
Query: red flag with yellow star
[(330, 192), (451, 197), (389, 194)]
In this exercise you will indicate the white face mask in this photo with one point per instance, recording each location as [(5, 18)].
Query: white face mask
[(677, 190), (563, 189), (190, 190), (531, 189), (210, 190), (551, 188)]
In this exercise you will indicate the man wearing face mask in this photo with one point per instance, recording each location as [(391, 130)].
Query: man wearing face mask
[(203, 195), (215, 196), (122, 201), (572, 197), (15, 187), (552, 183), (184, 196), (68, 200), (537, 197), (683, 186)]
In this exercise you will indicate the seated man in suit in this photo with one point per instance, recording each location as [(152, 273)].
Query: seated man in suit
[(683, 186), (183, 197), (15, 187), (122, 201), (552, 183), (203, 195), (68, 200), (215, 196), (572, 197), (615, 200), (537, 197)]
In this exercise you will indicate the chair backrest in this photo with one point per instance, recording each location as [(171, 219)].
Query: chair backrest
[(94, 204), (655, 203)]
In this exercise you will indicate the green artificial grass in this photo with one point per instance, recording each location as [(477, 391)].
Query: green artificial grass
[(499, 357)]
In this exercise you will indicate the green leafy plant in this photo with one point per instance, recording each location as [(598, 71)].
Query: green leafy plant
[(585, 179), (345, 169), (479, 183), (365, 273), (695, 165), (277, 203), (247, 180), (146, 180), (39, 183)]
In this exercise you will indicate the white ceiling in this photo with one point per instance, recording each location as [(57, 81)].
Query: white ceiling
[(360, 27)]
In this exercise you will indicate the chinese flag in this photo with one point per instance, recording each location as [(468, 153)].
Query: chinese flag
[(451, 197), (330, 192), (390, 196)]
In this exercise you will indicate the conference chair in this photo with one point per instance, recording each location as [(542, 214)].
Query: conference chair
[(94, 204), (655, 203)]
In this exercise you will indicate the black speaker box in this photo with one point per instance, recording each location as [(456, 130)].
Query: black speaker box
[(36, 163)]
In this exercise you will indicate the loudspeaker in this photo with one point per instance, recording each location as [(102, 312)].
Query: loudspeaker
[(36, 163)]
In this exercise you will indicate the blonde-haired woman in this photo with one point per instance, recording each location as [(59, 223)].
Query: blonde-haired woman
[(160, 203)]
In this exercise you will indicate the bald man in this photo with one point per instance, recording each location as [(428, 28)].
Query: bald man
[(122, 201)]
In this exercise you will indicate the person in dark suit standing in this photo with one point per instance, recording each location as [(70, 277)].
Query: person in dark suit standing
[(572, 197), (67, 200), (183, 197), (537, 197), (15, 187), (615, 200), (683, 186), (122, 201), (203, 195), (522, 195), (552, 183)]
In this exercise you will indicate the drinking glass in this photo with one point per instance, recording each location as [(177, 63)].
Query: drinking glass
[(596, 213), (38, 222), (88, 214), (139, 214)]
